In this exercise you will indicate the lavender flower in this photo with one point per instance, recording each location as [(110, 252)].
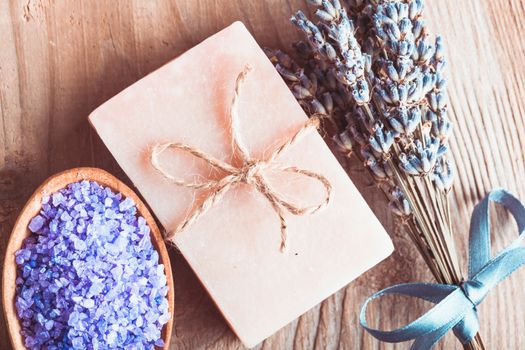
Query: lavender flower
[(398, 203), (319, 92), (381, 139), (333, 40), (304, 87), (410, 87), (444, 175)]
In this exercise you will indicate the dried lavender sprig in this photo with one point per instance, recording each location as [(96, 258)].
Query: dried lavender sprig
[(334, 41), (331, 42), (410, 83), (316, 92), (410, 79), (303, 86), (327, 81), (416, 157), (402, 81)]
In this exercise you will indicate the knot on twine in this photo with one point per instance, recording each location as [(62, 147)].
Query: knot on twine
[(456, 305), (249, 172)]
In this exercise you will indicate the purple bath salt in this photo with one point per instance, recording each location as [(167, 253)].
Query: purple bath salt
[(89, 276)]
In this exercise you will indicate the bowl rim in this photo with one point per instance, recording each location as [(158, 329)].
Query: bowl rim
[(32, 207)]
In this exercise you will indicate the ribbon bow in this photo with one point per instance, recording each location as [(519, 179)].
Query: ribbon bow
[(249, 172), (456, 306)]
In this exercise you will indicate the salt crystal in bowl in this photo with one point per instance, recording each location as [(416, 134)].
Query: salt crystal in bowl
[(21, 232)]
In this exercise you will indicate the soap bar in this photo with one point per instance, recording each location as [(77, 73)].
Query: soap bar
[(234, 247)]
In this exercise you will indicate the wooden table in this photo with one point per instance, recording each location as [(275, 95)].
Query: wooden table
[(61, 59)]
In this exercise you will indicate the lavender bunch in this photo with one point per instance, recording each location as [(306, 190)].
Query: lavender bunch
[(381, 84)]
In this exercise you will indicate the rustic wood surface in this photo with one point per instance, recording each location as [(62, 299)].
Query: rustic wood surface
[(61, 59)]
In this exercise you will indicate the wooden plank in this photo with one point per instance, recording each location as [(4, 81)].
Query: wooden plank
[(61, 59)]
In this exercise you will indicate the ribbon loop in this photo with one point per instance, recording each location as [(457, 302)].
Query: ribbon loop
[(467, 328), (249, 172), (456, 306), (479, 241)]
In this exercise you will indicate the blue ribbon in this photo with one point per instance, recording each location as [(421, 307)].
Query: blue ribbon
[(456, 306)]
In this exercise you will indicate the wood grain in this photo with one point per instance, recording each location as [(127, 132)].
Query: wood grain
[(61, 59)]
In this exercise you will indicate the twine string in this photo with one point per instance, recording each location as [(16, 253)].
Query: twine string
[(249, 172)]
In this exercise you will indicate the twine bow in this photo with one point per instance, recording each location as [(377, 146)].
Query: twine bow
[(249, 172), (456, 306)]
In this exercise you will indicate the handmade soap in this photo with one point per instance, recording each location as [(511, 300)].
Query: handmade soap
[(234, 248)]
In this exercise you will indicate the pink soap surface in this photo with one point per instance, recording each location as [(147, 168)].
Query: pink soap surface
[(234, 247)]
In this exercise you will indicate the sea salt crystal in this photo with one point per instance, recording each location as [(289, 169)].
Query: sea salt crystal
[(49, 324), (164, 318), (36, 223), (90, 303), (92, 279), (57, 199), (80, 245), (108, 202), (126, 204), (112, 336), (96, 288)]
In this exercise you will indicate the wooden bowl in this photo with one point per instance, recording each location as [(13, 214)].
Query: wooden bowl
[(21, 231)]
